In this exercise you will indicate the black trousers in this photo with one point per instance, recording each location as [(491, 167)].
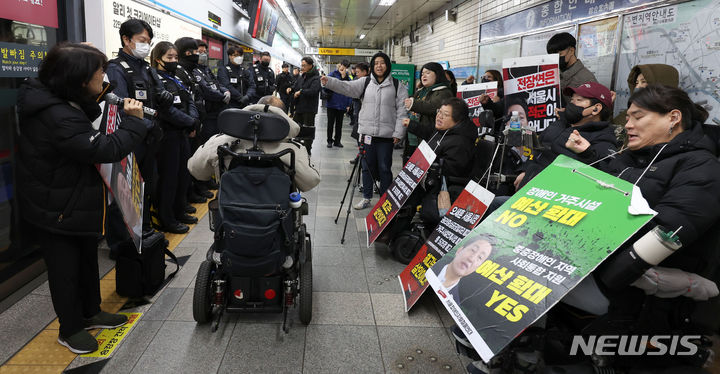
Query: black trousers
[(174, 177), (287, 102), (209, 128), (335, 120), (72, 266), (306, 119)]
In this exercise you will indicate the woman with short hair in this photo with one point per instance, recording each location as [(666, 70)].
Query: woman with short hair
[(61, 194)]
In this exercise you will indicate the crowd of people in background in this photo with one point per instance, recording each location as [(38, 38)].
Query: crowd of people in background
[(659, 127)]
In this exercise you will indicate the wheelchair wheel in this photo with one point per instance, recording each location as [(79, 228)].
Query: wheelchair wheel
[(406, 245), (306, 292), (202, 303)]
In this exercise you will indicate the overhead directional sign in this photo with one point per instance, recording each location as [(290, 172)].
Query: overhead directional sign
[(341, 51)]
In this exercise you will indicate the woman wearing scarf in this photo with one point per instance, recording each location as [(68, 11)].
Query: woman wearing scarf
[(423, 106)]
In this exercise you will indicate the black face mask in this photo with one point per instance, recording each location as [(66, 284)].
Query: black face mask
[(170, 67), (573, 113), (563, 64), (192, 59), (265, 63), (484, 80)]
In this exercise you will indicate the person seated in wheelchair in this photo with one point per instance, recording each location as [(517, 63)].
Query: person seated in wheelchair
[(659, 284), (586, 116), (204, 163), (453, 143)]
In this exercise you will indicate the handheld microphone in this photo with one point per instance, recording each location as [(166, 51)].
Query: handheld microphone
[(115, 99)]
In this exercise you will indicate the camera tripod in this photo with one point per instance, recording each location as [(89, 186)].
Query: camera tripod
[(359, 159)]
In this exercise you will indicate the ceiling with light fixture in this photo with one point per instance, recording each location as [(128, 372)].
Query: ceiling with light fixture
[(340, 23)]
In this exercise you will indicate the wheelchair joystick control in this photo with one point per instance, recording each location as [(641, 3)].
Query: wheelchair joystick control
[(295, 200)]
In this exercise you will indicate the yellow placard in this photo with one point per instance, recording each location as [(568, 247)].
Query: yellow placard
[(109, 339), (247, 49), (337, 51)]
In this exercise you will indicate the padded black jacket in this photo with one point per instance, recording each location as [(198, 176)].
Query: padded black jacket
[(600, 135), (683, 186), (309, 85), (59, 187)]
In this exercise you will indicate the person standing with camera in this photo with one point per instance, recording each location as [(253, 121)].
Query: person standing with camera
[(236, 79), (61, 194), (380, 122), (132, 77)]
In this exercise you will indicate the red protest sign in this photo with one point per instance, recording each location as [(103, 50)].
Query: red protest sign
[(399, 191), (460, 219)]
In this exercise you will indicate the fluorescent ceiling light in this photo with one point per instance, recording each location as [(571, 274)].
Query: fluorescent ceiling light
[(289, 15), (362, 36), (387, 2)]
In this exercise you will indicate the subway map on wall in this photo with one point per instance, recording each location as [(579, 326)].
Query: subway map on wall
[(686, 36)]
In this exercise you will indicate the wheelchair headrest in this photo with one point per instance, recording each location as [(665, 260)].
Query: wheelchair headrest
[(240, 124)]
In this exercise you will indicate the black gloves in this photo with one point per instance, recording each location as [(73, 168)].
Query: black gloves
[(164, 99)]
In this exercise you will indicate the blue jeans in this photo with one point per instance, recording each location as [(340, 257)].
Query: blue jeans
[(377, 163)]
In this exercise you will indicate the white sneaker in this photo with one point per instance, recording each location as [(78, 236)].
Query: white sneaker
[(363, 204)]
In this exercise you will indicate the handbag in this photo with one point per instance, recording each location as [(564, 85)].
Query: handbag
[(443, 200), (326, 94), (143, 274)]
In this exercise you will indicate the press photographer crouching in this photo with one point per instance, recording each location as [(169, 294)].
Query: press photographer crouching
[(452, 142), (61, 194)]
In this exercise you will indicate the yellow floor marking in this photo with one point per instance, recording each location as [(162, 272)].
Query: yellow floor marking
[(43, 354), (109, 339)]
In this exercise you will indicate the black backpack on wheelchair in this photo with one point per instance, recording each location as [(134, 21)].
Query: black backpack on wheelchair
[(260, 260)]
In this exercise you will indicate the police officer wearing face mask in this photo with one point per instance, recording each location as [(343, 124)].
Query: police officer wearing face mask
[(236, 79), (263, 76), (191, 76), (132, 77), (216, 96)]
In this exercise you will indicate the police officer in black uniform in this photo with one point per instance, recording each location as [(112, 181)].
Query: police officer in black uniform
[(237, 79), (191, 76), (284, 81), (132, 77), (264, 77), (217, 97), (177, 123)]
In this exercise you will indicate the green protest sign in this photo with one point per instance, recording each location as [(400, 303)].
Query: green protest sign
[(406, 74), (524, 257)]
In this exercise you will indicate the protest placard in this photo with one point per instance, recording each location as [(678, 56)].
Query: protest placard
[(471, 93), (532, 88), (399, 191), (524, 257), (460, 219), (124, 181)]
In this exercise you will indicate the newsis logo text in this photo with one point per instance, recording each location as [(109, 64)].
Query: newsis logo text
[(634, 345)]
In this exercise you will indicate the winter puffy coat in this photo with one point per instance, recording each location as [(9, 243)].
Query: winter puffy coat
[(600, 135), (204, 163), (682, 186), (455, 147), (427, 109), (383, 109), (59, 187), (338, 101)]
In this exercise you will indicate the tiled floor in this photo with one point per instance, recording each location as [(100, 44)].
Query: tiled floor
[(358, 324)]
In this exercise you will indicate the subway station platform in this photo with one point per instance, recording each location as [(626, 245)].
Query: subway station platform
[(358, 325)]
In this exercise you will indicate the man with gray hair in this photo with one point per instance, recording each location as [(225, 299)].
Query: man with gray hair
[(204, 162)]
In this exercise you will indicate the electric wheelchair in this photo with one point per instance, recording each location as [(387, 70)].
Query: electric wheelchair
[(260, 260)]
